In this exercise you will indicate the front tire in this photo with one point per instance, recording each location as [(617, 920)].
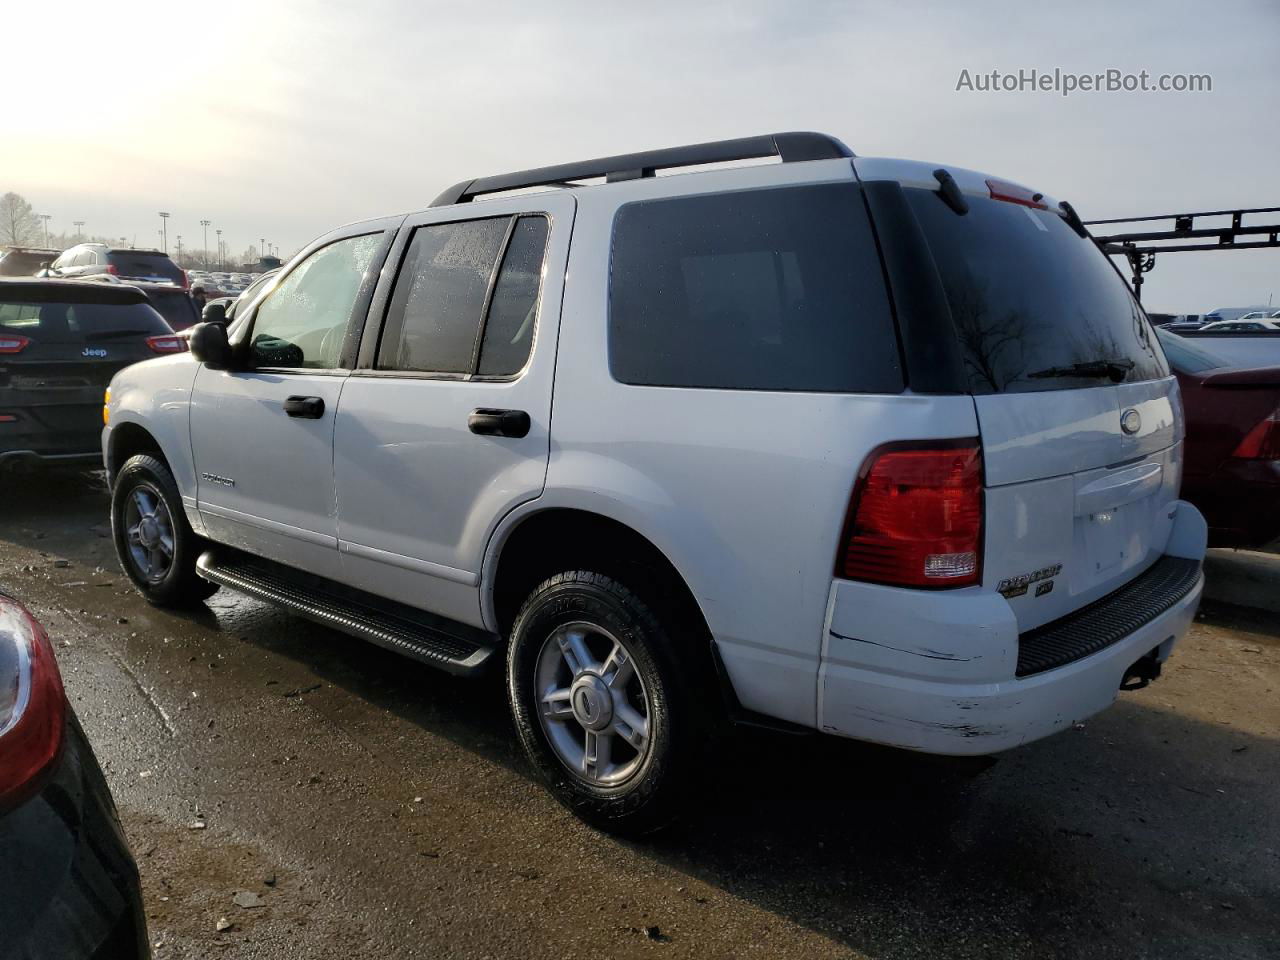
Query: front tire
[(601, 703), (156, 546)]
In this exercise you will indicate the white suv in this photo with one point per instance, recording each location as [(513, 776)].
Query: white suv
[(862, 446)]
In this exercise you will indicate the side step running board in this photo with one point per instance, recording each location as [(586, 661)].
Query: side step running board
[(457, 648)]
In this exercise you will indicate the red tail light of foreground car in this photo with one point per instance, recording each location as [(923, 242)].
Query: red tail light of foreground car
[(32, 703)]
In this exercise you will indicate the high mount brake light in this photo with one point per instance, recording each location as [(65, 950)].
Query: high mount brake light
[(167, 343), (10, 343), (32, 704), (1013, 193), (1262, 442), (915, 518)]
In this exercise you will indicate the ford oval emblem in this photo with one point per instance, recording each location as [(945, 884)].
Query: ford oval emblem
[(1130, 421)]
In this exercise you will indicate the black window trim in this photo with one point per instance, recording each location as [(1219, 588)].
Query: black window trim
[(504, 248), (359, 310)]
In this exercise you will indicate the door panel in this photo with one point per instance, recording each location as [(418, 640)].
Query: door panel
[(418, 492), (265, 479)]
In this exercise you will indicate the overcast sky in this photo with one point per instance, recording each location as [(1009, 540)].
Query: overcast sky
[(284, 119)]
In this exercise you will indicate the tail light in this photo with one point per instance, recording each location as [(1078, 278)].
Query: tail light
[(167, 343), (13, 344), (915, 519), (113, 269), (33, 706), (1262, 442), (185, 282), (1013, 193)]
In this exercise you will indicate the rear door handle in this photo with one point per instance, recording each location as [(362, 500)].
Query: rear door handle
[(305, 408), (499, 423)]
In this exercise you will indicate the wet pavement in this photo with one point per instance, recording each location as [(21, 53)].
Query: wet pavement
[(378, 808)]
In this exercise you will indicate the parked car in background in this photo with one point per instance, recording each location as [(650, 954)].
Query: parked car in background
[(90, 259), (1231, 313), (25, 261), (863, 446), (227, 308), (1231, 461), (61, 341), (1259, 325), (68, 883), (1160, 319)]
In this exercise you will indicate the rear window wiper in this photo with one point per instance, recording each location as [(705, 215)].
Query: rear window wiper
[(1113, 370), (112, 334)]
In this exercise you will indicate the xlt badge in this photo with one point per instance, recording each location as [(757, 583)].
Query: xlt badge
[(1011, 587)]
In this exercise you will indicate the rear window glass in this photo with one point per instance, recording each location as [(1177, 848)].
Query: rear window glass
[(1032, 300), (132, 263), (79, 322), (776, 289), (175, 306)]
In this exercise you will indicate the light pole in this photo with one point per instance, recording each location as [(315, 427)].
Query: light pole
[(261, 246), (46, 218), (205, 224), (219, 233), (164, 230), (179, 249), (78, 224)]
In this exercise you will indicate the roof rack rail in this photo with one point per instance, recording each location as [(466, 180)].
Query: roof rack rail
[(789, 147)]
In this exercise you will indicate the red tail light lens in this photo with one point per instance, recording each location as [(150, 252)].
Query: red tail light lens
[(168, 343), (12, 344), (32, 705), (1013, 193), (1262, 442), (186, 281), (916, 517), (113, 269)]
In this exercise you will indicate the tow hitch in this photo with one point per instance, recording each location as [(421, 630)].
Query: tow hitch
[(1141, 672)]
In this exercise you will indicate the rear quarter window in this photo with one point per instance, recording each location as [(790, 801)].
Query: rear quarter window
[(778, 289)]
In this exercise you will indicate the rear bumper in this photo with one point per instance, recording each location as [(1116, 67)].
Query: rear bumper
[(937, 672), (937, 716)]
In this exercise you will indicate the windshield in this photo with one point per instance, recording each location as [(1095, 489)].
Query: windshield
[(1036, 306), (1187, 357)]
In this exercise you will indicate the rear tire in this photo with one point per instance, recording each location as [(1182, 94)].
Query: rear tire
[(156, 546), (601, 694)]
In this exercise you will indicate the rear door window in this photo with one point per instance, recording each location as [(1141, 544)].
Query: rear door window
[(778, 289), (1034, 303), (433, 319)]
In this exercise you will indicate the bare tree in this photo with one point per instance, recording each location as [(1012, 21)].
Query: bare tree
[(18, 223)]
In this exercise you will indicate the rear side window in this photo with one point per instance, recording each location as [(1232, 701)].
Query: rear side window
[(1033, 302), (778, 289), (136, 263), (466, 299), (80, 322)]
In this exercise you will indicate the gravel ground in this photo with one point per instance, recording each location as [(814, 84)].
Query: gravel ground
[(377, 808)]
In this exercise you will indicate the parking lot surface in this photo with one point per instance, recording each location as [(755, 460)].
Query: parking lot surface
[(373, 807)]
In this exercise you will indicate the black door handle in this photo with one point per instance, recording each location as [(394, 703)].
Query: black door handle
[(499, 423), (307, 408)]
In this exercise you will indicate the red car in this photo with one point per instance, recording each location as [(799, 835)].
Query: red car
[(1232, 455)]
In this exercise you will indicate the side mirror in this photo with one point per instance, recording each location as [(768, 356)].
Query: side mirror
[(214, 313), (209, 345)]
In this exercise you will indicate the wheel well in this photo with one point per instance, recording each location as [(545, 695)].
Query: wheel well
[(557, 540), (129, 440)]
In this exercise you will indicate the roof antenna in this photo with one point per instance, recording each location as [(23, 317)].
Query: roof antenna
[(949, 190)]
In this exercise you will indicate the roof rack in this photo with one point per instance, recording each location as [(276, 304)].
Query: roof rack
[(789, 147)]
